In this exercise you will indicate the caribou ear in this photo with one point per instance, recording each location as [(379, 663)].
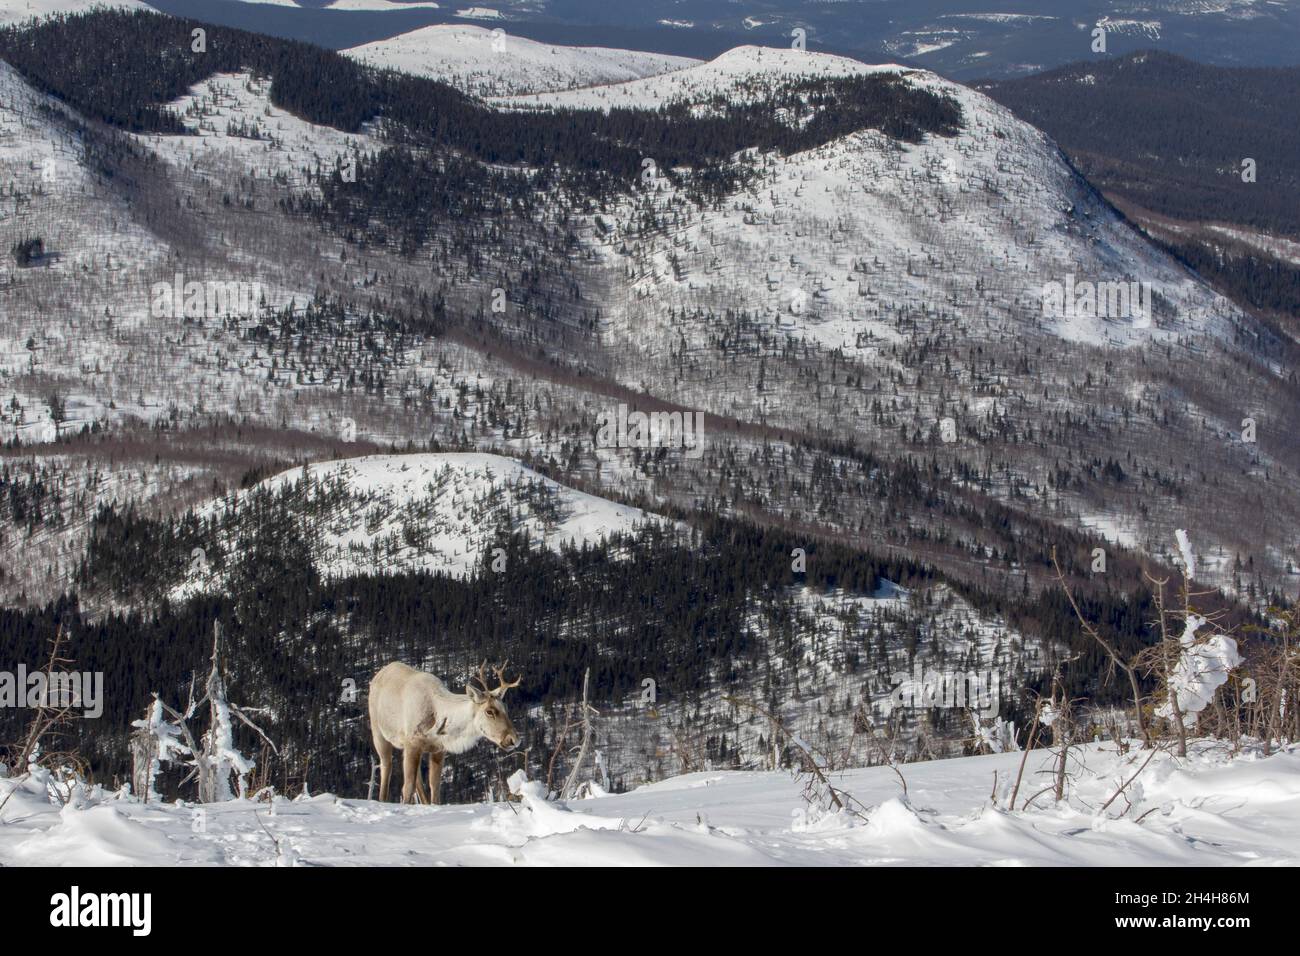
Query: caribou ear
[(474, 694)]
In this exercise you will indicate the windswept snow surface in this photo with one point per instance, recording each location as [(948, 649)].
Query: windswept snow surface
[(487, 62), (1208, 810)]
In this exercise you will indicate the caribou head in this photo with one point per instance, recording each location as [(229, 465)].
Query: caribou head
[(490, 717)]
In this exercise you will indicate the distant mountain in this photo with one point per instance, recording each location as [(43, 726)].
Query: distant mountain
[(477, 60), (351, 23), (962, 39)]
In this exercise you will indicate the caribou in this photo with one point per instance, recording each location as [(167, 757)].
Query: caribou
[(417, 714)]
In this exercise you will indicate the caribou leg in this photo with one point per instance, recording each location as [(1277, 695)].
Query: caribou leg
[(435, 775), (410, 773), (420, 789), (385, 751)]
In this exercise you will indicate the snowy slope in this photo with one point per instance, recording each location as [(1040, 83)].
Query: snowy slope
[(1208, 810), (98, 253), (741, 74), (13, 11), (430, 512), (996, 200), (272, 141), (476, 60), (887, 246)]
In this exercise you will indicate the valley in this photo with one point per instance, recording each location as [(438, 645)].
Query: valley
[(841, 267)]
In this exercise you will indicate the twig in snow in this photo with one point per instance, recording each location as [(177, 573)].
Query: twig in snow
[(1124, 785)]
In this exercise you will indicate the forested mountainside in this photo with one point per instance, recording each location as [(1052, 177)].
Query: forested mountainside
[(839, 269), (1170, 135), (1204, 157), (820, 638)]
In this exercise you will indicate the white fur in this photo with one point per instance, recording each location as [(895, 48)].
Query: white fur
[(416, 713)]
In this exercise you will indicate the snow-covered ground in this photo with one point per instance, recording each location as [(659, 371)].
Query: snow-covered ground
[(1211, 809), (488, 62)]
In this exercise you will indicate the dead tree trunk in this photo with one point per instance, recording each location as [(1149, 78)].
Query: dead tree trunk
[(585, 712)]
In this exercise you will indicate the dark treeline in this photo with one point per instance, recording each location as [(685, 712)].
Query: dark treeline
[(122, 68), (1246, 276), (29, 500)]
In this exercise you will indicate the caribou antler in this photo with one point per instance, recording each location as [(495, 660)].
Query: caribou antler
[(502, 686)]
